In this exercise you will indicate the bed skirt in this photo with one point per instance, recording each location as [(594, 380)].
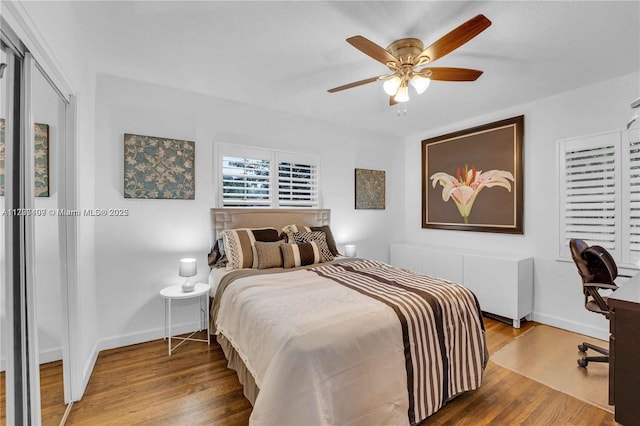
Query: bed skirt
[(235, 363)]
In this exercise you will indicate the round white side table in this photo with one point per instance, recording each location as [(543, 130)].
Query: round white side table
[(175, 292)]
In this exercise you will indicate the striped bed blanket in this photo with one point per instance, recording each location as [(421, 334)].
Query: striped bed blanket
[(350, 342), (442, 329)]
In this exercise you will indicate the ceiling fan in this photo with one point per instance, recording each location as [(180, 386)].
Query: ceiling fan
[(404, 57)]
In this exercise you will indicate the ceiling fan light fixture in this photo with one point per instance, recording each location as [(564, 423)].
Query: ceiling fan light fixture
[(420, 83), (403, 94), (391, 85)]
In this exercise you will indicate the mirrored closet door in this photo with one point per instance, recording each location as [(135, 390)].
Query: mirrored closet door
[(5, 191), (48, 115), (34, 341)]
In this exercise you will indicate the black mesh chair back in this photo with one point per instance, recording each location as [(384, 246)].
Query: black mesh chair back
[(598, 271)]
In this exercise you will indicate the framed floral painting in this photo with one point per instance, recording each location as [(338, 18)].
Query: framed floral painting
[(472, 179)]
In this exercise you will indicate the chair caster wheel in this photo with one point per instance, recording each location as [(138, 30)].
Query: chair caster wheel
[(582, 348), (583, 362)]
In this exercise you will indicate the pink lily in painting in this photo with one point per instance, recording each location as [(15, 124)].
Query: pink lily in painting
[(465, 187)]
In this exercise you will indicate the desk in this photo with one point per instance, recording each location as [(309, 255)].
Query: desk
[(624, 352)]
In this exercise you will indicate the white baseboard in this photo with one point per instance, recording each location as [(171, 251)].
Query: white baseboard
[(45, 357), (50, 355), (145, 336), (576, 327)]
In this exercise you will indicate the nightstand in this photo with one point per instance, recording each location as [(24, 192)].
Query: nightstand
[(174, 292)]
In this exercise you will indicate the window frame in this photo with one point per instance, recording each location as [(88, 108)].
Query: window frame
[(275, 157)]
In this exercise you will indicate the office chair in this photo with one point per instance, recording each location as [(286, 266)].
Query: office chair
[(598, 270)]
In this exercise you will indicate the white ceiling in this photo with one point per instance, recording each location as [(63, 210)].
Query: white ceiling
[(285, 55)]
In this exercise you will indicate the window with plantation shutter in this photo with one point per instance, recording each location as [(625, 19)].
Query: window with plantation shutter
[(297, 185), (246, 182), (590, 194), (255, 177), (600, 194)]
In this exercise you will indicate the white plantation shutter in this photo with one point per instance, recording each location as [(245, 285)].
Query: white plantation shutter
[(246, 182), (255, 177), (631, 200), (590, 204), (590, 196), (297, 183)]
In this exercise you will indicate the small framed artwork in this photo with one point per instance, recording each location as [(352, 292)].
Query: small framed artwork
[(370, 189), (472, 180), (158, 168), (41, 160)]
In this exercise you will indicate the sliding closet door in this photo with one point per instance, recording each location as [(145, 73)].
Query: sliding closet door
[(48, 114), (21, 396), (6, 170), (37, 242)]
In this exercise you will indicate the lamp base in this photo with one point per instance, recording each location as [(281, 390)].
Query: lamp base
[(188, 287)]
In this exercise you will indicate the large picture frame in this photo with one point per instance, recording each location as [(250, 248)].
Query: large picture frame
[(472, 179)]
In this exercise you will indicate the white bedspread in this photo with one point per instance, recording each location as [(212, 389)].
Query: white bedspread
[(318, 370)]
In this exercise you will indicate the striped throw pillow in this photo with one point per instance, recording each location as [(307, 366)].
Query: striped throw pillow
[(300, 254), (331, 242), (239, 245), (319, 237)]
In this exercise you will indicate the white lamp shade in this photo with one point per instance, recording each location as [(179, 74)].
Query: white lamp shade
[(420, 83), (188, 267), (391, 86), (350, 250), (403, 94)]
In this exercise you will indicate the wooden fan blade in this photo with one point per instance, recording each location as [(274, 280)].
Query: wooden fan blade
[(371, 49), (452, 74), (456, 38), (392, 101), (354, 84)]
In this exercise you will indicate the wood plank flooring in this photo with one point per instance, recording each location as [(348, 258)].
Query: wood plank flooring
[(51, 394), (141, 384)]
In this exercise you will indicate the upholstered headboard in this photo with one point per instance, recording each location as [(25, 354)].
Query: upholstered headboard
[(227, 218)]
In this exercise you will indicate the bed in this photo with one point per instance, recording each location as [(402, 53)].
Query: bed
[(342, 341)]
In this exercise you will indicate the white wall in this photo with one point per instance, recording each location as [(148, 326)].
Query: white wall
[(138, 255), (557, 293)]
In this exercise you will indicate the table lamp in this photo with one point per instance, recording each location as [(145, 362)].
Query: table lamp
[(350, 250), (188, 268)]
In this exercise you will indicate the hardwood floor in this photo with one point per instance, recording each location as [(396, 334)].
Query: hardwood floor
[(51, 394), (141, 384)]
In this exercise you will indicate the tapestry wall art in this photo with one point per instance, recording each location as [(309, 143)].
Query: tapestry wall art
[(159, 168), (370, 189), (41, 158)]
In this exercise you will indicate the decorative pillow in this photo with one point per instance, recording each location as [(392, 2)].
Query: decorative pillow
[(239, 245), (317, 236), (217, 258), (331, 242), (300, 254), (268, 254)]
